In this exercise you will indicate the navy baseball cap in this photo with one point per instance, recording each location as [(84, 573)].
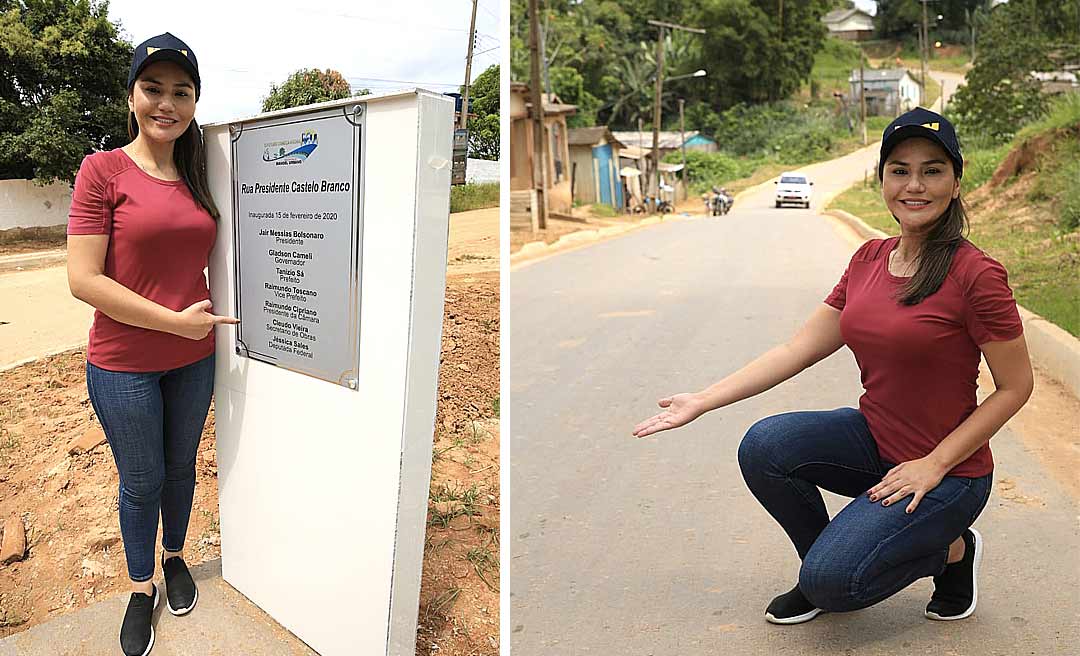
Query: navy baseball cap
[(165, 47), (921, 122)]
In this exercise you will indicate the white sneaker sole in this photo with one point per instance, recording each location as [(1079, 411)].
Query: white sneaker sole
[(797, 619), (974, 585), (183, 611)]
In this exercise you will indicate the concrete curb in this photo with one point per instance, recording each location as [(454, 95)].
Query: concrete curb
[(1056, 351), (535, 251), (32, 260)]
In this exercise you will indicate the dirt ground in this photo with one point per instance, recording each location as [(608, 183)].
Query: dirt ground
[(68, 503), (16, 241)]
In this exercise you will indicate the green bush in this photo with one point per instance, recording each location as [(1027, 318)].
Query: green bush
[(708, 169), (473, 196)]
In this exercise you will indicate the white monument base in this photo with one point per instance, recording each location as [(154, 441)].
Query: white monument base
[(322, 488)]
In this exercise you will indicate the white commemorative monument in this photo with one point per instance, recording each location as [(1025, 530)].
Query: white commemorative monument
[(331, 250)]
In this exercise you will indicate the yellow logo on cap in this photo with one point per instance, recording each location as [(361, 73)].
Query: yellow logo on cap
[(151, 50), (933, 126)]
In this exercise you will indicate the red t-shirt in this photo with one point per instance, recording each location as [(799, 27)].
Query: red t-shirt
[(920, 363), (159, 243)]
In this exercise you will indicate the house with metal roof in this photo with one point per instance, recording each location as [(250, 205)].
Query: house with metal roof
[(594, 166), (889, 91), (556, 179), (852, 24)]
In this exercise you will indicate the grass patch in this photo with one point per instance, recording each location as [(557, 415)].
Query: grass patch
[(980, 164), (832, 67), (483, 561), (495, 407), (444, 601), (473, 196), (1064, 113), (866, 203), (602, 210)]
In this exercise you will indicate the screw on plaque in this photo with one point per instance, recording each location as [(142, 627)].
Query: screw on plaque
[(351, 382)]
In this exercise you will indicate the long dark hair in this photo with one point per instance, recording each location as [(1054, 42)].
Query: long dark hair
[(189, 155), (936, 253)]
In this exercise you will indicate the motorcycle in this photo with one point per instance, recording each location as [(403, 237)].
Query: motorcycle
[(720, 203)]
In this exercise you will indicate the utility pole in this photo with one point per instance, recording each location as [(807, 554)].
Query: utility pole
[(659, 92), (543, 58), (925, 51), (539, 161), (862, 96), (682, 140), (468, 69)]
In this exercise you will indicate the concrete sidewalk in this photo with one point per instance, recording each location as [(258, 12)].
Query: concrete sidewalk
[(34, 260), (223, 622)]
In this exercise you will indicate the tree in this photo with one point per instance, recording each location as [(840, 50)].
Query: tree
[(63, 75), (1000, 95), (750, 55), (308, 86), (484, 103)]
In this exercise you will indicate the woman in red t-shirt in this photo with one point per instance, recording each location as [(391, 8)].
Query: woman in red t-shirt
[(917, 311), (140, 231)]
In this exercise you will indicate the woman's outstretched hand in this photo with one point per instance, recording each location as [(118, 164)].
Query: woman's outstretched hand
[(681, 409)]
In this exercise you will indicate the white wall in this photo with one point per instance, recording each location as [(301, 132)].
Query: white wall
[(481, 170), (26, 205)]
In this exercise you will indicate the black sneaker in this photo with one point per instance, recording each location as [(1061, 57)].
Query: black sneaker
[(956, 590), (180, 591), (791, 608), (137, 631)]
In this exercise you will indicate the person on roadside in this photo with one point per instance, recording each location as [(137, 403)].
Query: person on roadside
[(917, 311), (140, 230)]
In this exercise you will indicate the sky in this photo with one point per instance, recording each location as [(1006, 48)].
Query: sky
[(869, 6), (244, 47)]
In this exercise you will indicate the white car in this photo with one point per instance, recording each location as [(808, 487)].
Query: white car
[(793, 188)]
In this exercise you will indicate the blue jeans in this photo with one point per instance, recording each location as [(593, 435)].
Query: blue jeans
[(153, 422), (868, 552)]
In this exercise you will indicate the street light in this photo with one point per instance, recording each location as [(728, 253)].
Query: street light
[(682, 132), (698, 73)]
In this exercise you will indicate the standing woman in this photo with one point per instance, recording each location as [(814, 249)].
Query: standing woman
[(917, 311), (140, 231)]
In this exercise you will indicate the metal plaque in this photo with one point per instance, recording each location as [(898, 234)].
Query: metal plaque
[(297, 194)]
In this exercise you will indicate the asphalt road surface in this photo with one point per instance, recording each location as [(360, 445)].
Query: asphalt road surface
[(655, 546)]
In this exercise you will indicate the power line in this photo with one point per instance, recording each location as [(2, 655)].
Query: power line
[(475, 54), (351, 78), (490, 13)]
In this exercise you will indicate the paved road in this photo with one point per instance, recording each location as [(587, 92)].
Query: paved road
[(39, 315), (655, 546), (950, 82)]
